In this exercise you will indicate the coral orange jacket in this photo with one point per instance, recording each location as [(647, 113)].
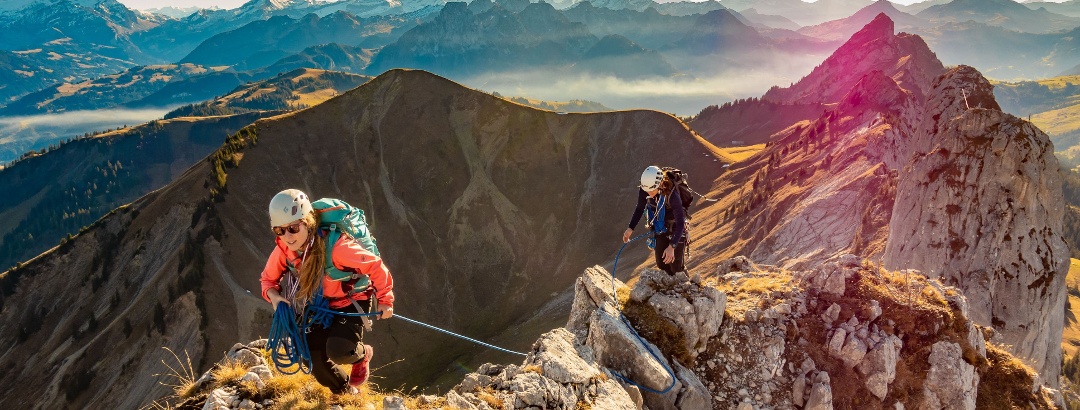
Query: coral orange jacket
[(348, 256)]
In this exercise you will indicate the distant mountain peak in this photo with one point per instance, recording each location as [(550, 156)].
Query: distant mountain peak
[(881, 27), (906, 59)]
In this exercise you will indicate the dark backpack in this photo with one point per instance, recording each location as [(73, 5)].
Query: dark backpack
[(678, 178)]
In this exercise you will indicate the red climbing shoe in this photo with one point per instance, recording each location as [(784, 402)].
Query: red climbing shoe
[(360, 369)]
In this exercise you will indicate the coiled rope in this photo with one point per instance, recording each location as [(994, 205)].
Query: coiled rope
[(287, 345), (639, 338)]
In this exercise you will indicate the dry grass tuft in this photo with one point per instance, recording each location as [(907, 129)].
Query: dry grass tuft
[(487, 395), (657, 329), (1007, 383), (308, 394), (183, 385), (622, 294), (228, 372)]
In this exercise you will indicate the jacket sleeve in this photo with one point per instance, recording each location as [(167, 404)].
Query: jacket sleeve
[(271, 274), (348, 254), (639, 210)]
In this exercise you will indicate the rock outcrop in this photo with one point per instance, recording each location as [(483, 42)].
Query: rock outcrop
[(980, 206), (919, 168)]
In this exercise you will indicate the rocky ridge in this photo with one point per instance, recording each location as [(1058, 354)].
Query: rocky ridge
[(845, 334)]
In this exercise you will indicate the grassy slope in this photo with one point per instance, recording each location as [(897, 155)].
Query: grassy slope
[(1070, 338)]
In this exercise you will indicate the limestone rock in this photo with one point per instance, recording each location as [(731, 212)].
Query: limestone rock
[(980, 206), (220, 399), (820, 393), (879, 365), (698, 311), (557, 362), (394, 403), (693, 394), (592, 289), (951, 383), (853, 351), (456, 401), (736, 264), (798, 390), (618, 349)]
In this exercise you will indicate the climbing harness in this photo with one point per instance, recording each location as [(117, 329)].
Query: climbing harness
[(655, 222), (632, 330)]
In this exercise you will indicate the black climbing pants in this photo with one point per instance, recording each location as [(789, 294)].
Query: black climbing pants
[(662, 242), (336, 345)]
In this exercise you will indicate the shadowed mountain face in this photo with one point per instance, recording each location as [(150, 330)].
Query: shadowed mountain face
[(483, 209)]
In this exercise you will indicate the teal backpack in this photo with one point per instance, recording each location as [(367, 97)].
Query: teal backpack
[(337, 217)]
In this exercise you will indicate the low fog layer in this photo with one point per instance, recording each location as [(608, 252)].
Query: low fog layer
[(679, 95), (35, 132)]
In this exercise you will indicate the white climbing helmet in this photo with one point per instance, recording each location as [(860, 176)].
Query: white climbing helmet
[(288, 206), (650, 179)]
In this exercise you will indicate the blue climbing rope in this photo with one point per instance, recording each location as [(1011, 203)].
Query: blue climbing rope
[(627, 322), (288, 338), (457, 335), (287, 343)]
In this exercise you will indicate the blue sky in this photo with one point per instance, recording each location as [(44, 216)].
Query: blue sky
[(229, 4)]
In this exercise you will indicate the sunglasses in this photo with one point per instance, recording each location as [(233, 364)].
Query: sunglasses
[(293, 229)]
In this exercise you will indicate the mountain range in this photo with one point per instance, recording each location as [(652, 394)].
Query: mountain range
[(1001, 13), (479, 202)]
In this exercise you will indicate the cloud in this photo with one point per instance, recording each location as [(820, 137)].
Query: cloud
[(680, 95), (19, 134), (78, 118)]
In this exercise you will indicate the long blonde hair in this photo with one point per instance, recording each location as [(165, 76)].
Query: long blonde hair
[(666, 185), (314, 261)]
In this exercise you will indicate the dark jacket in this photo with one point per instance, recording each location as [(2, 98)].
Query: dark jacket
[(674, 216)]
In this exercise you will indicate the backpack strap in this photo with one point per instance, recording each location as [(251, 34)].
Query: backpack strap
[(359, 282)]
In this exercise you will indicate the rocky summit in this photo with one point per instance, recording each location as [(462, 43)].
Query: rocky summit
[(915, 167)]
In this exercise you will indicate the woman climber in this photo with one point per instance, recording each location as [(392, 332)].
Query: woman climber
[(296, 274)]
